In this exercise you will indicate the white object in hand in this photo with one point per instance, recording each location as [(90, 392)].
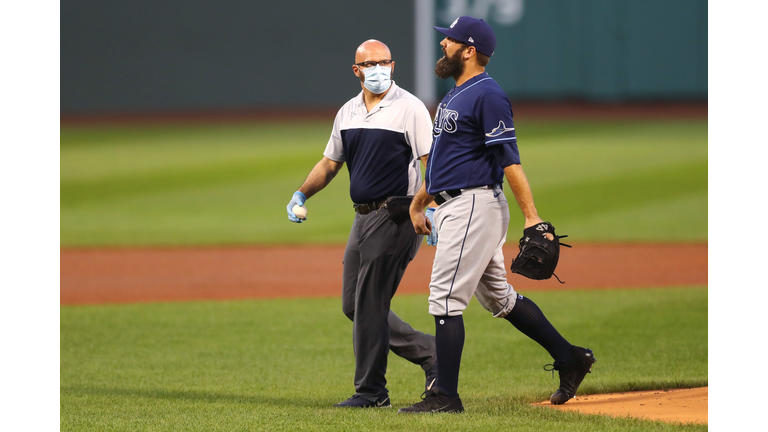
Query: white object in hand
[(299, 211)]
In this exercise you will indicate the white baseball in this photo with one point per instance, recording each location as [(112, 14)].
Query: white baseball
[(299, 211)]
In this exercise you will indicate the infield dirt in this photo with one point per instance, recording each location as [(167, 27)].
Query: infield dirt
[(91, 276), (95, 276)]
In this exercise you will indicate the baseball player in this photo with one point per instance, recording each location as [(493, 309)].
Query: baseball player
[(474, 148), (381, 134)]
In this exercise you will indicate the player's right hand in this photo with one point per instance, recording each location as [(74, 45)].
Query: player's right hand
[(298, 198), (432, 236), (420, 222)]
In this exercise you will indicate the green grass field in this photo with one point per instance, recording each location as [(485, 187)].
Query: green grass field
[(279, 364), (229, 184)]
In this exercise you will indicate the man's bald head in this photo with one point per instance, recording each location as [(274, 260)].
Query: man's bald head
[(372, 50)]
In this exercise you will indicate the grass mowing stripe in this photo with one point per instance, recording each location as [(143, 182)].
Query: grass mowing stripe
[(144, 151), (631, 190), (96, 136), (280, 364), (640, 205), (659, 221), (173, 180)]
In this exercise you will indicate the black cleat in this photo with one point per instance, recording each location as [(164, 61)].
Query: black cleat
[(357, 401), (571, 374), (431, 375), (434, 401)]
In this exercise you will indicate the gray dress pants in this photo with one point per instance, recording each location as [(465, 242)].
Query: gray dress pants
[(377, 254)]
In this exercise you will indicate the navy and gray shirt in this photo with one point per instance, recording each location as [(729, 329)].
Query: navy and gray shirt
[(381, 148), (474, 137)]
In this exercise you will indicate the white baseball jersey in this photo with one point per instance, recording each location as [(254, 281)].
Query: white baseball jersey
[(381, 148)]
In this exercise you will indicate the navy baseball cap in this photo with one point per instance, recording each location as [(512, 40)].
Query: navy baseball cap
[(472, 31)]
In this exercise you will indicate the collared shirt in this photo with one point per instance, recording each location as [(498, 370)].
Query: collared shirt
[(381, 148), (474, 137)]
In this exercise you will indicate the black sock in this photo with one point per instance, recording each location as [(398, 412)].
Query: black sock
[(528, 318), (449, 338)]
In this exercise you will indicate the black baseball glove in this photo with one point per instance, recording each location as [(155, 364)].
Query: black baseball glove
[(538, 255)]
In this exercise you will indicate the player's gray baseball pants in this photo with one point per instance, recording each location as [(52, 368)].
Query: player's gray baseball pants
[(472, 229), (377, 254)]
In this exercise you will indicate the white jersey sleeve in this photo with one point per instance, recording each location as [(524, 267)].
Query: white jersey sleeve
[(334, 150), (418, 130)]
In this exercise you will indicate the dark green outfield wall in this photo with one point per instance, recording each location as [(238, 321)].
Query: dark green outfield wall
[(617, 50), (174, 55), (169, 55)]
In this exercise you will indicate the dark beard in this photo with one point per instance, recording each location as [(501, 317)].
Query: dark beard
[(448, 67)]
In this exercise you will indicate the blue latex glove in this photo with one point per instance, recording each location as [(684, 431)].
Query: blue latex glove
[(297, 198), (432, 237)]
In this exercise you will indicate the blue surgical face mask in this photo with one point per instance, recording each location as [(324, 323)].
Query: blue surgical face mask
[(377, 78)]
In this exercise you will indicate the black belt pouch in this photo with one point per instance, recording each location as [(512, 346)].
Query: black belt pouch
[(399, 208)]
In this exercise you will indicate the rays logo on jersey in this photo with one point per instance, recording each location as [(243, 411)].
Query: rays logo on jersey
[(499, 130), (445, 120)]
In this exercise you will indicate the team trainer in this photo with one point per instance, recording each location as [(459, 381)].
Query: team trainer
[(381, 134)]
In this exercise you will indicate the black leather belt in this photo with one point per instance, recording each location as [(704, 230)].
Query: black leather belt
[(366, 208), (445, 195)]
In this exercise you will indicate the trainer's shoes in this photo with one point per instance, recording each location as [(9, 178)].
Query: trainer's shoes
[(435, 401), (572, 374), (431, 377), (357, 401)]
